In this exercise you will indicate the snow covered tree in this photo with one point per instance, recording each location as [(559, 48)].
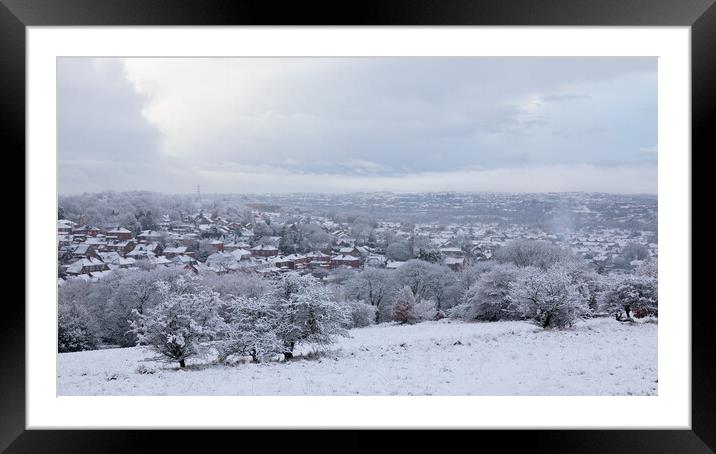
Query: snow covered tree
[(469, 275), (627, 294), (250, 328), (443, 287), (399, 250), (634, 251), (292, 283), (431, 256), (419, 276), (125, 291), (488, 299), (648, 268), (375, 286), (549, 297), (307, 313), (539, 254), (589, 283), (237, 284), (404, 306), (179, 326), (76, 329)]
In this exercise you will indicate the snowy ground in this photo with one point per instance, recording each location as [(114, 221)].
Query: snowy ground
[(598, 357)]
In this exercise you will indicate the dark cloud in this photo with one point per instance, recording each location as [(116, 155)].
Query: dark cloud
[(103, 138)]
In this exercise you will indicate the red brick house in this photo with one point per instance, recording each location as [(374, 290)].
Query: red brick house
[(352, 251), (65, 226), (264, 251), (120, 234), (345, 260), (318, 256), (86, 266)]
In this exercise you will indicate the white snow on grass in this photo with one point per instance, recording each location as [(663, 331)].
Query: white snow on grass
[(597, 357)]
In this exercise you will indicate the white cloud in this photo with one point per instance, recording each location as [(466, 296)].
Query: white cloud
[(557, 178), (357, 123)]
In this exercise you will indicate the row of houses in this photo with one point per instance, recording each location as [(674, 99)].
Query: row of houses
[(87, 250)]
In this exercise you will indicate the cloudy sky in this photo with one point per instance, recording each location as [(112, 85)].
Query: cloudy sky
[(237, 125)]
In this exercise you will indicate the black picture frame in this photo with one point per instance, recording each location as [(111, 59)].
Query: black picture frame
[(700, 15)]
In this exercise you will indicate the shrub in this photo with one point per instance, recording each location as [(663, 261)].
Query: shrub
[(404, 310), (76, 329), (627, 294), (361, 314), (488, 299), (548, 297)]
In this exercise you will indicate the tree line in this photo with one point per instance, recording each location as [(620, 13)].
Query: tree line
[(181, 315)]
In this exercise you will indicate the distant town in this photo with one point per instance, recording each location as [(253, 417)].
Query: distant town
[(318, 233)]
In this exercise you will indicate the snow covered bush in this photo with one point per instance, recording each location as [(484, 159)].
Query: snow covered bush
[(430, 281), (425, 310), (488, 299), (589, 284), (361, 314), (549, 297), (631, 293), (647, 268), (376, 287), (250, 329), (307, 313), (181, 324), (444, 288), (404, 306), (76, 329)]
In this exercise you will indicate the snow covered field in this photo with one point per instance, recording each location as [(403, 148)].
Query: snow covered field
[(597, 357)]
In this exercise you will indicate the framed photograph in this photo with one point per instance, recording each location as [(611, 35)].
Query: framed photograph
[(242, 218)]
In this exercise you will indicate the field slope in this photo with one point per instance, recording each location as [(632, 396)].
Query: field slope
[(597, 357)]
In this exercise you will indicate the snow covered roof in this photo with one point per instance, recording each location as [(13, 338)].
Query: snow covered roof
[(344, 258), (110, 257), (65, 223), (119, 230), (77, 266), (220, 255), (394, 265), (149, 234), (262, 247), (82, 248), (140, 253), (160, 260), (240, 252), (183, 259), (316, 254), (97, 275)]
